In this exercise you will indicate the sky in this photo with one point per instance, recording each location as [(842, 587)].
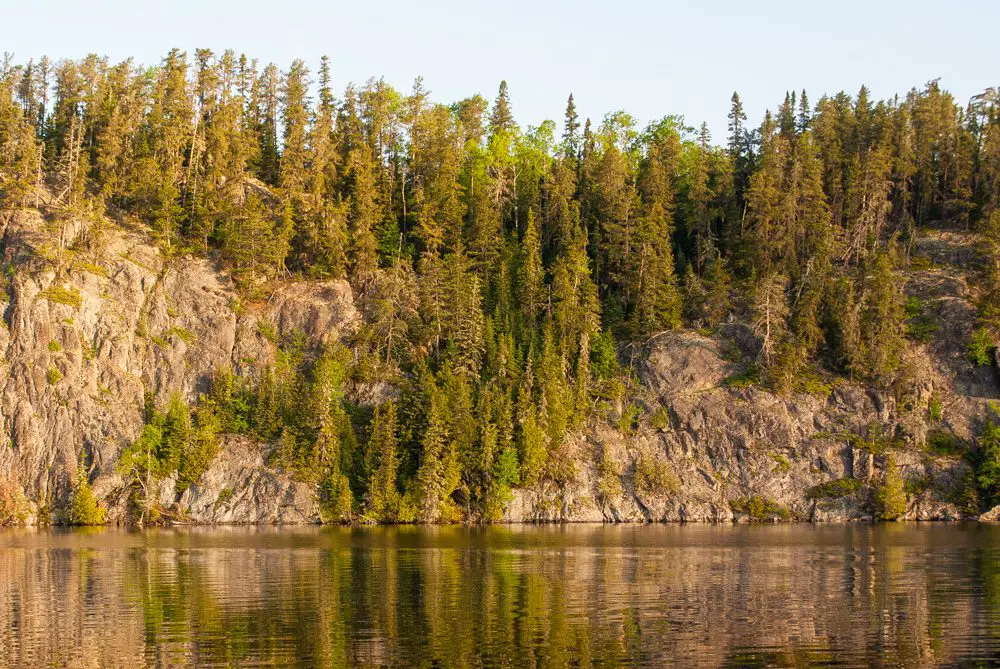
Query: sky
[(648, 58)]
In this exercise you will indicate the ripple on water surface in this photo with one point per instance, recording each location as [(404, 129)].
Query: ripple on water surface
[(712, 596)]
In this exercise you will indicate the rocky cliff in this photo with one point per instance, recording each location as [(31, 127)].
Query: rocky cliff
[(86, 333)]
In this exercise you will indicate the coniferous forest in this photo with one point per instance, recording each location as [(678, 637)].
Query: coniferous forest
[(503, 271)]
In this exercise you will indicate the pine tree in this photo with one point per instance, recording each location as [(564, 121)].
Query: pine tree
[(582, 392), (501, 118), (293, 173), (890, 494), (736, 148), (556, 408), (434, 168), (20, 154), (382, 462), (253, 242), (457, 303), (531, 440), (736, 130), (392, 309), (770, 312), (805, 114), (842, 325), (530, 276), (652, 285), (365, 215), (575, 303), (491, 264), (697, 214), (716, 299), (320, 241), (571, 130), (177, 434), (614, 200), (882, 326), (868, 203), (484, 229), (84, 508), (157, 177), (786, 118), (264, 105), (438, 474)]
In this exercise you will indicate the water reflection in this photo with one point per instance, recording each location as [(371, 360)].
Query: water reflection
[(579, 596)]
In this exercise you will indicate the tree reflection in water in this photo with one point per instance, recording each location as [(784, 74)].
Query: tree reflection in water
[(579, 596)]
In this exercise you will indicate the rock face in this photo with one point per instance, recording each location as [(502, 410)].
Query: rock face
[(240, 488), (79, 352), (736, 453), (726, 446)]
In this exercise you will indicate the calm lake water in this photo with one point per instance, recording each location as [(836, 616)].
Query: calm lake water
[(709, 596)]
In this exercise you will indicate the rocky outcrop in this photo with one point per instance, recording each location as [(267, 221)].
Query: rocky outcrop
[(240, 488), (90, 328), (85, 337), (740, 453)]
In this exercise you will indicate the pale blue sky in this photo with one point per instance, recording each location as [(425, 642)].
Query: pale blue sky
[(649, 58)]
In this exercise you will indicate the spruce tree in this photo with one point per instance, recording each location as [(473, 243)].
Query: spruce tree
[(530, 276), (501, 117), (382, 462), (438, 474), (571, 130)]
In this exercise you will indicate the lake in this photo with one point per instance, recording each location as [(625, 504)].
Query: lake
[(853, 595)]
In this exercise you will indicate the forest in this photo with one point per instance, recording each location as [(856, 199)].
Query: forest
[(503, 271)]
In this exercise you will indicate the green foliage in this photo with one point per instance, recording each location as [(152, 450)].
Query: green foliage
[(609, 478), (988, 469), (53, 376), (506, 476), (920, 326), (84, 509), (744, 379), (660, 419), (881, 321), (383, 501), (915, 487), (181, 333), (197, 455), (628, 422), (890, 492), (232, 398), (531, 438), (138, 463), (979, 350), (267, 330), (91, 268), (943, 442), (759, 509), (438, 475), (225, 495), (604, 357), (54, 346), (782, 463), (494, 267), (653, 476), (878, 441), (834, 489), (13, 503), (965, 495), (336, 501), (62, 295), (935, 410), (813, 384), (179, 439)]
